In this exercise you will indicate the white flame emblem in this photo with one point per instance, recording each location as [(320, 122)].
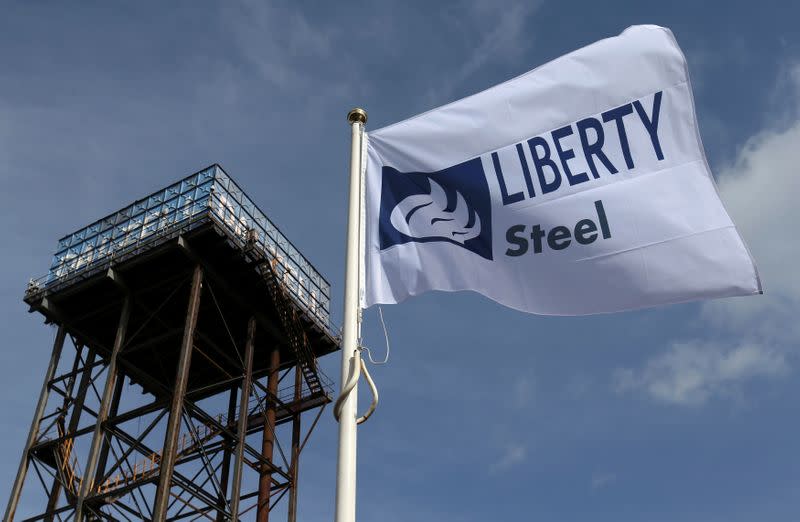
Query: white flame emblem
[(424, 216)]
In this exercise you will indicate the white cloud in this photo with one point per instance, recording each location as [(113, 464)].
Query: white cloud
[(760, 190), (286, 51), (601, 480), (274, 38), (522, 393), (513, 454), (507, 37), (690, 373)]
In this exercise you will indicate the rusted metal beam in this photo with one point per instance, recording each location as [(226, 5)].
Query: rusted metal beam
[(244, 414), (170, 450), (265, 322), (268, 440), (106, 447), (295, 456), (226, 457), (33, 432), (77, 409), (87, 484)]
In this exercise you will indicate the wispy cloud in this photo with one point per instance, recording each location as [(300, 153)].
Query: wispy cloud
[(501, 34), (690, 373), (522, 393), (601, 480), (512, 455), (754, 189), (275, 38), (512, 444), (283, 50)]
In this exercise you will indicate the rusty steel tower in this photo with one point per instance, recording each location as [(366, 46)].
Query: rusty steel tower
[(196, 328)]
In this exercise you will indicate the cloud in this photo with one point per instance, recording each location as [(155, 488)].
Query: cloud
[(274, 38), (513, 454), (522, 393), (282, 51), (507, 38), (759, 189), (601, 480), (690, 373), (507, 435)]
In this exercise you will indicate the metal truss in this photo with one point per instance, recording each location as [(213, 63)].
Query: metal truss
[(112, 439)]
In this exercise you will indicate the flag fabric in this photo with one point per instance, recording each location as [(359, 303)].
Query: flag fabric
[(579, 187)]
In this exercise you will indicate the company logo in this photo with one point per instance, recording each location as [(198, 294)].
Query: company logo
[(451, 205), (426, 216)]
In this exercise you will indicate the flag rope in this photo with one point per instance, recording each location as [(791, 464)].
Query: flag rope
[(358, 367)]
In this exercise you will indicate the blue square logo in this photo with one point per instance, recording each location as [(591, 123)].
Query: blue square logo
[(452, 206)]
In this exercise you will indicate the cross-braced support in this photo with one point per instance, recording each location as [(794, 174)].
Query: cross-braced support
[(125, 430)]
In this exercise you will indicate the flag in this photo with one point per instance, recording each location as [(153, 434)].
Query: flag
[(579, 187)]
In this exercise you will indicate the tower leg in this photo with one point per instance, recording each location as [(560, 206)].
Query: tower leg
[(226, 458), (106, 446), (244, 413), (268, 442), (22, 471), (169, 454), (55, 490), (77, 410), (295, 456), (87, 482)]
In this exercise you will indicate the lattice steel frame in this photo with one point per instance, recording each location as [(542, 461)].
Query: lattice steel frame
[(93, 466)]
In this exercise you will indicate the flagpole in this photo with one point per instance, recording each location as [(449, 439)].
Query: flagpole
[(346, 467)]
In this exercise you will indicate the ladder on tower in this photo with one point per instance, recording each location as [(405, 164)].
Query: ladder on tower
[(293, 326), (67, 463)]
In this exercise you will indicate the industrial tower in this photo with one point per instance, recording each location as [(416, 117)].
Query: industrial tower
[(196, 328)]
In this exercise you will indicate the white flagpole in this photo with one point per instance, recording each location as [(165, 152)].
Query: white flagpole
[(346, 472)]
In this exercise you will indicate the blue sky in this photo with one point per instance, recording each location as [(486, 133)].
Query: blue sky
[(687, 412)]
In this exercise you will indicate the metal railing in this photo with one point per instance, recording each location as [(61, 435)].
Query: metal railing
[(150, 222)]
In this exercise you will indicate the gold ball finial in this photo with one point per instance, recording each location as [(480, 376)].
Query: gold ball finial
[(357, 115)]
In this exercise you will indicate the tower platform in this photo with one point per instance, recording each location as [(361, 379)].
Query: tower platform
[(151, 248), (191, 296)]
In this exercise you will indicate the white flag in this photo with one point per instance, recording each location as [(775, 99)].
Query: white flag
[(579, 187)]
